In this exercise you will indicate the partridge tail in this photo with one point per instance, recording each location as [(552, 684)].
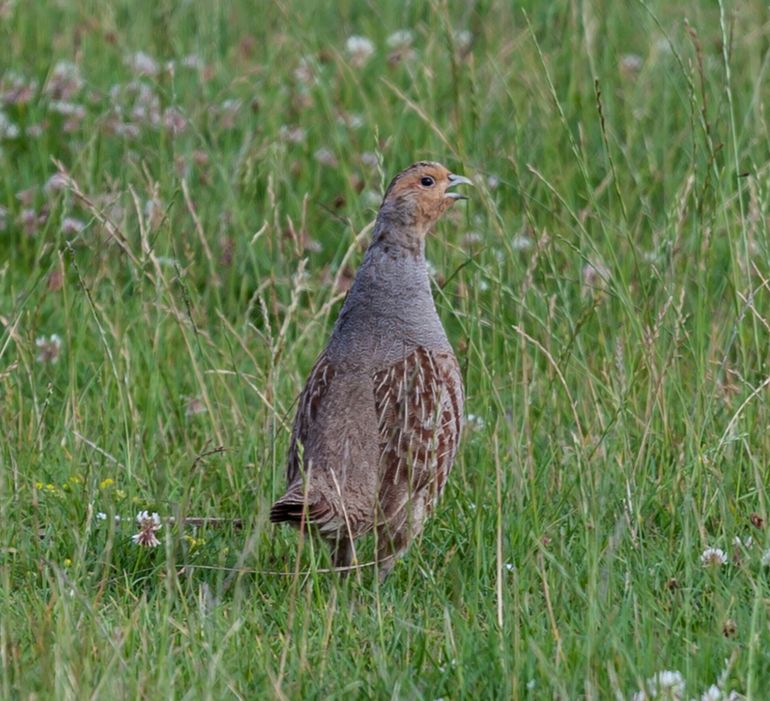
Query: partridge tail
[(296, 507), (287, 510)]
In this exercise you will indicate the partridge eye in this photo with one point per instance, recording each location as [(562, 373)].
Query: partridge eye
[(427, 181)]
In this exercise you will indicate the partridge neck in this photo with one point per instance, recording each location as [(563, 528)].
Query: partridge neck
[(395, 232)]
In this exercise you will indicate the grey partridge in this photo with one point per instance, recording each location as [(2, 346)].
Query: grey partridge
[(380, 417)]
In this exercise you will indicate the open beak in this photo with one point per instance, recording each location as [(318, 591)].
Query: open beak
[(457, 180)]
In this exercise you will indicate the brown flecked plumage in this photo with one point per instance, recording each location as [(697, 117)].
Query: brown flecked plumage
[(380, 417)]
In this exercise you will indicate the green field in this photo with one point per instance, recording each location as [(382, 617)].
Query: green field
[(162, 299)]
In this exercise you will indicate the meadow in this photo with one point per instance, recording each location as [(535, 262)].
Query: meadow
[(186, 189)]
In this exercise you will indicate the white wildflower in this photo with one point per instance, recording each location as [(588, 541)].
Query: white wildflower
[(326, 157), (56, 183), (463, 39), (766, 558), (8, 130), (351, 120), (194, 406), (631, 63), (521, 242), (48, 349), (663, 46), (475, 423), (666, 685), (16, 90), (142, 64), (70, 225), (368, 158), (125, 129), (400, 39), (359, 49), (294, 135), (65, 81), (595, 276), (193, 61), (472, 238), (305, 71), (68, 109), (371, 198), (30, 220), (101, 516), (174, 120), (713, 693), (713, 557), (149, 525)]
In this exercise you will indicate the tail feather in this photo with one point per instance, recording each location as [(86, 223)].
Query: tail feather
[(284, 510), (294, 508)]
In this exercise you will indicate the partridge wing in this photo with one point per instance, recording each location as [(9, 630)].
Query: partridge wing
[(316, 388), (419, 405)]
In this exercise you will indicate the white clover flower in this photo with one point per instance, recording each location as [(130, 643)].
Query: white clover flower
[(293, 135), (631, 63), (149, 525), (668, 685), (70, 225), (101, 516), (472, 238), (371, 198), (192, 61), (369, 159), (142, 64), (463, 39), (305, 71), (325, 156), (400, 39), (713, 557), (48, 349), (713, 693), (65, 80), (194, 406), (351, 120), (67, 109), (359, 49), (174, 121), (56, 183), (15, 89), (474, 422), (521, 243), (595, 276), (8, 130)]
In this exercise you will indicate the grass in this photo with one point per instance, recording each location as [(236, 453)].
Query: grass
[(606, 290)]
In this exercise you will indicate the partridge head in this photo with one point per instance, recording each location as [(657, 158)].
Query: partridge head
[(419, 195)]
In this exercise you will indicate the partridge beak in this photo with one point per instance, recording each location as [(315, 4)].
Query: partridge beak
[(457, 180)]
